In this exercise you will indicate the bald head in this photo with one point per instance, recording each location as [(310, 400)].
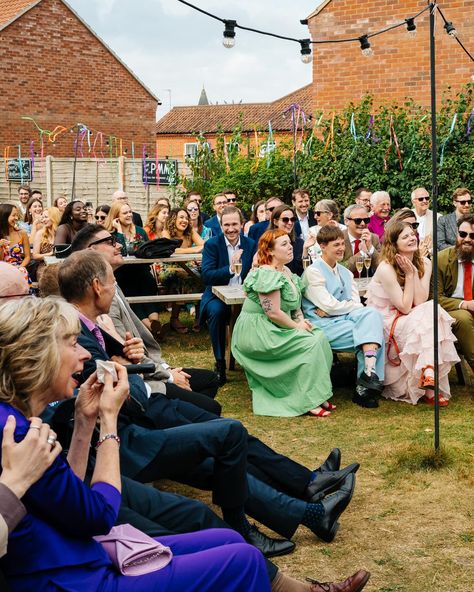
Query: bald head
[(119, 195)]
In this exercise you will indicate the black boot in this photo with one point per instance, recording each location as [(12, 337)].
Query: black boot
[(334, 505), (365, 398), (220, 371), (325, 483)]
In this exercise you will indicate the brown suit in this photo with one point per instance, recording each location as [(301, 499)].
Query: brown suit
[(463, 327), (349, 258)]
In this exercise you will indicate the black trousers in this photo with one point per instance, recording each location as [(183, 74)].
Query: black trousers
[(204, 385)]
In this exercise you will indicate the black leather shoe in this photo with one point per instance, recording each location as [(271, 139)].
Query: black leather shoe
[(364, 398), (334, 505), (220, 371), (269, 547), (372, 382), (325, 483), (332, 463)]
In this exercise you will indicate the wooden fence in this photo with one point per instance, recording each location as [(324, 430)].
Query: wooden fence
[(95, 181)]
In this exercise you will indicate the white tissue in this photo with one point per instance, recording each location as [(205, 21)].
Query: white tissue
[(103, 368)]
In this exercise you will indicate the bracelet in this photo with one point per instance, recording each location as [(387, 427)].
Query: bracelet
[(107, 437)]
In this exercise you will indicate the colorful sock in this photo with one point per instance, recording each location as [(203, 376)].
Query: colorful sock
[(312, 515), (370, 358), (236, 519)]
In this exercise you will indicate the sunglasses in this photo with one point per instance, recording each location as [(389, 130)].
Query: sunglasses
[(193, 210), (464, 202), (414, 225), (101, 217), (321, 212), (270, 209), (464, 234), (360, 220), (425, 198), (231, 199), (111, 240), (287, 220)]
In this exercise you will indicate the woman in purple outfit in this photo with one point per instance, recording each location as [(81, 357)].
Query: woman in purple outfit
[(52, 547)]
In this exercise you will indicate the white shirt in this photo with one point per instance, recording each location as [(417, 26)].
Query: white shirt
[(459, 290), (318, 294), (304, 223), (235, 280), (421, 225), (353, 240)]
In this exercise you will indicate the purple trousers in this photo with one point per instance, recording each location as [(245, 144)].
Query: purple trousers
[(215, 560)]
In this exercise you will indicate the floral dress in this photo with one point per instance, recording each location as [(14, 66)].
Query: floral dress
[(14, 254)]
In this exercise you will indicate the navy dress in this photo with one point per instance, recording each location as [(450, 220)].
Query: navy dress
[(52, 548)]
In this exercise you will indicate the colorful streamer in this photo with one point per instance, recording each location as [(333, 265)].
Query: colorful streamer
[(393, 140), (443, 146)]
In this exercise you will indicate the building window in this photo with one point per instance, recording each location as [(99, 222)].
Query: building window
[(190, 149)]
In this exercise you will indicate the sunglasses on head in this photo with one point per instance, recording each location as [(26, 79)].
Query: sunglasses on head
[(286, 219), (464, 202), (424, 198), (464, 234), (108, 239), (318, 213), (360, 220)]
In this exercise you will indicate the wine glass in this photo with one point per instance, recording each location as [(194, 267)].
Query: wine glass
[(306, 261), (367, 264), (238, 267), (359, 265)]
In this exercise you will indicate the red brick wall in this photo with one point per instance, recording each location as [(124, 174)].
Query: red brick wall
[(400, 65), (54, 70)]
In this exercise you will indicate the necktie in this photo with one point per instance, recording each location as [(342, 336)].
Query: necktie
[(467, 280), (356, 246), (98, 335)]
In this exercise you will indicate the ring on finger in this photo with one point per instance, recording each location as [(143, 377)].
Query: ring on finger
[(32, 427), (51, 440)]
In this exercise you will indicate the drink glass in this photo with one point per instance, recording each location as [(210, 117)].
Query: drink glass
[(238, 267), (367, 264), (306, 261), (359, 265)]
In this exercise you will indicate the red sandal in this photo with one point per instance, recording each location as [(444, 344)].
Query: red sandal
[(320, 413), (431, 401), (426, 382), (329, 406)]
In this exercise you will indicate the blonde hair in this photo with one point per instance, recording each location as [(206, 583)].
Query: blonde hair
[(114, 212), (48, 234), (30, 333), (153, 216)]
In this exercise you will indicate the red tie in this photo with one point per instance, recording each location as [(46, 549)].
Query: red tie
[(467, 280), (356, 246)]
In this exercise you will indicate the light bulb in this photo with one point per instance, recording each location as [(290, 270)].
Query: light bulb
[(306, 58), (305, 51), (450, 29), (229, 34), (411, 27), (368, 52), (228, 42), (365, 46)]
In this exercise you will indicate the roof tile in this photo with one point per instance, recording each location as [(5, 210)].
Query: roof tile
[(9, 9), (209, 119)]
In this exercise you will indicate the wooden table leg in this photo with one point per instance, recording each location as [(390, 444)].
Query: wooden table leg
[(234, 313)]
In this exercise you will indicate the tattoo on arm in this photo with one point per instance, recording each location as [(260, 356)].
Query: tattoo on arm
[(266, 304)]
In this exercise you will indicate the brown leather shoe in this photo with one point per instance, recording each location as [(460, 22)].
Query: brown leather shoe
[(354, 583)]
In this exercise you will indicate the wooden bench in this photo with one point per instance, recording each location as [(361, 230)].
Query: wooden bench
[(165, 298)]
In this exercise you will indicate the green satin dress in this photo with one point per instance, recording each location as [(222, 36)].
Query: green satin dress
[(288, 370)]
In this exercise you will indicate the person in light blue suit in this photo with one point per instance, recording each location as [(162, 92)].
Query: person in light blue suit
[(332, 303), (217, 269)]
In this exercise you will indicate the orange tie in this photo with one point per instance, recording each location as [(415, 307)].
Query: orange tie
[(467, 280)]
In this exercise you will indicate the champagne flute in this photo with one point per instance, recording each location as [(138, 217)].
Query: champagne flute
[(306, 261), (359, 265), (238, 267), (367, 264)]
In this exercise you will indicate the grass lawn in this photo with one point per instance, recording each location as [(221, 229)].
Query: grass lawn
[(411, 520)]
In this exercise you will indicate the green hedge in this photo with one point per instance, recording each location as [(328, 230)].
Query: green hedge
[(346, 150)]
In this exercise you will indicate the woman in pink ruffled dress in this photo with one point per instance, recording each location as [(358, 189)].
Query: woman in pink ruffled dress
[(399, 290)]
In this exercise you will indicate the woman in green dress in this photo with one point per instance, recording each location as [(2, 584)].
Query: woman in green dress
[(287, 362)]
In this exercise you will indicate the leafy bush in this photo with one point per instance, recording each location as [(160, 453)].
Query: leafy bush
[(346, 150)]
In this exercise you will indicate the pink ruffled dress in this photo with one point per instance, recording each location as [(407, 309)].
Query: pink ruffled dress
[(414, 336)]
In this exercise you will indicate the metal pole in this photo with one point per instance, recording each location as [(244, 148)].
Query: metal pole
[(75, 162), (434, 183)]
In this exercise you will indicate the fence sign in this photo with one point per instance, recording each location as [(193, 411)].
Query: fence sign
[(19, 170), (167, 170)]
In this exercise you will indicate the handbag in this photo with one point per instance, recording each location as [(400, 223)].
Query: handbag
[(158, 248), (133, 552)]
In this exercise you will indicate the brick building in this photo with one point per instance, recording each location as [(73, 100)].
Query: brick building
[(400, 64), (55, 69), (178, 130)]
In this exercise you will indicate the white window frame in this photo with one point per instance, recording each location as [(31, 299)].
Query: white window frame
[(193, 152)]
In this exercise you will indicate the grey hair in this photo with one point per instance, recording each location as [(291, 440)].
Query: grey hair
[(330, 205), (413, 193), (378, 195), (348, 211)]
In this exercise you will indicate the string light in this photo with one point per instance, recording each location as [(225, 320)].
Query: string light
[(367, 51), (306, 57), (411, 27), (450, 29), (229, 34)]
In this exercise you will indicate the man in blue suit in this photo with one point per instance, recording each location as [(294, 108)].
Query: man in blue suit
[(219, 257), (214, 223)]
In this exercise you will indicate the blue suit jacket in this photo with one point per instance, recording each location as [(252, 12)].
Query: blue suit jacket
[(213, 224), (215, 266)]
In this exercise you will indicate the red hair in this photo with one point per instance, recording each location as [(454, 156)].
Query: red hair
[(266, 244)]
